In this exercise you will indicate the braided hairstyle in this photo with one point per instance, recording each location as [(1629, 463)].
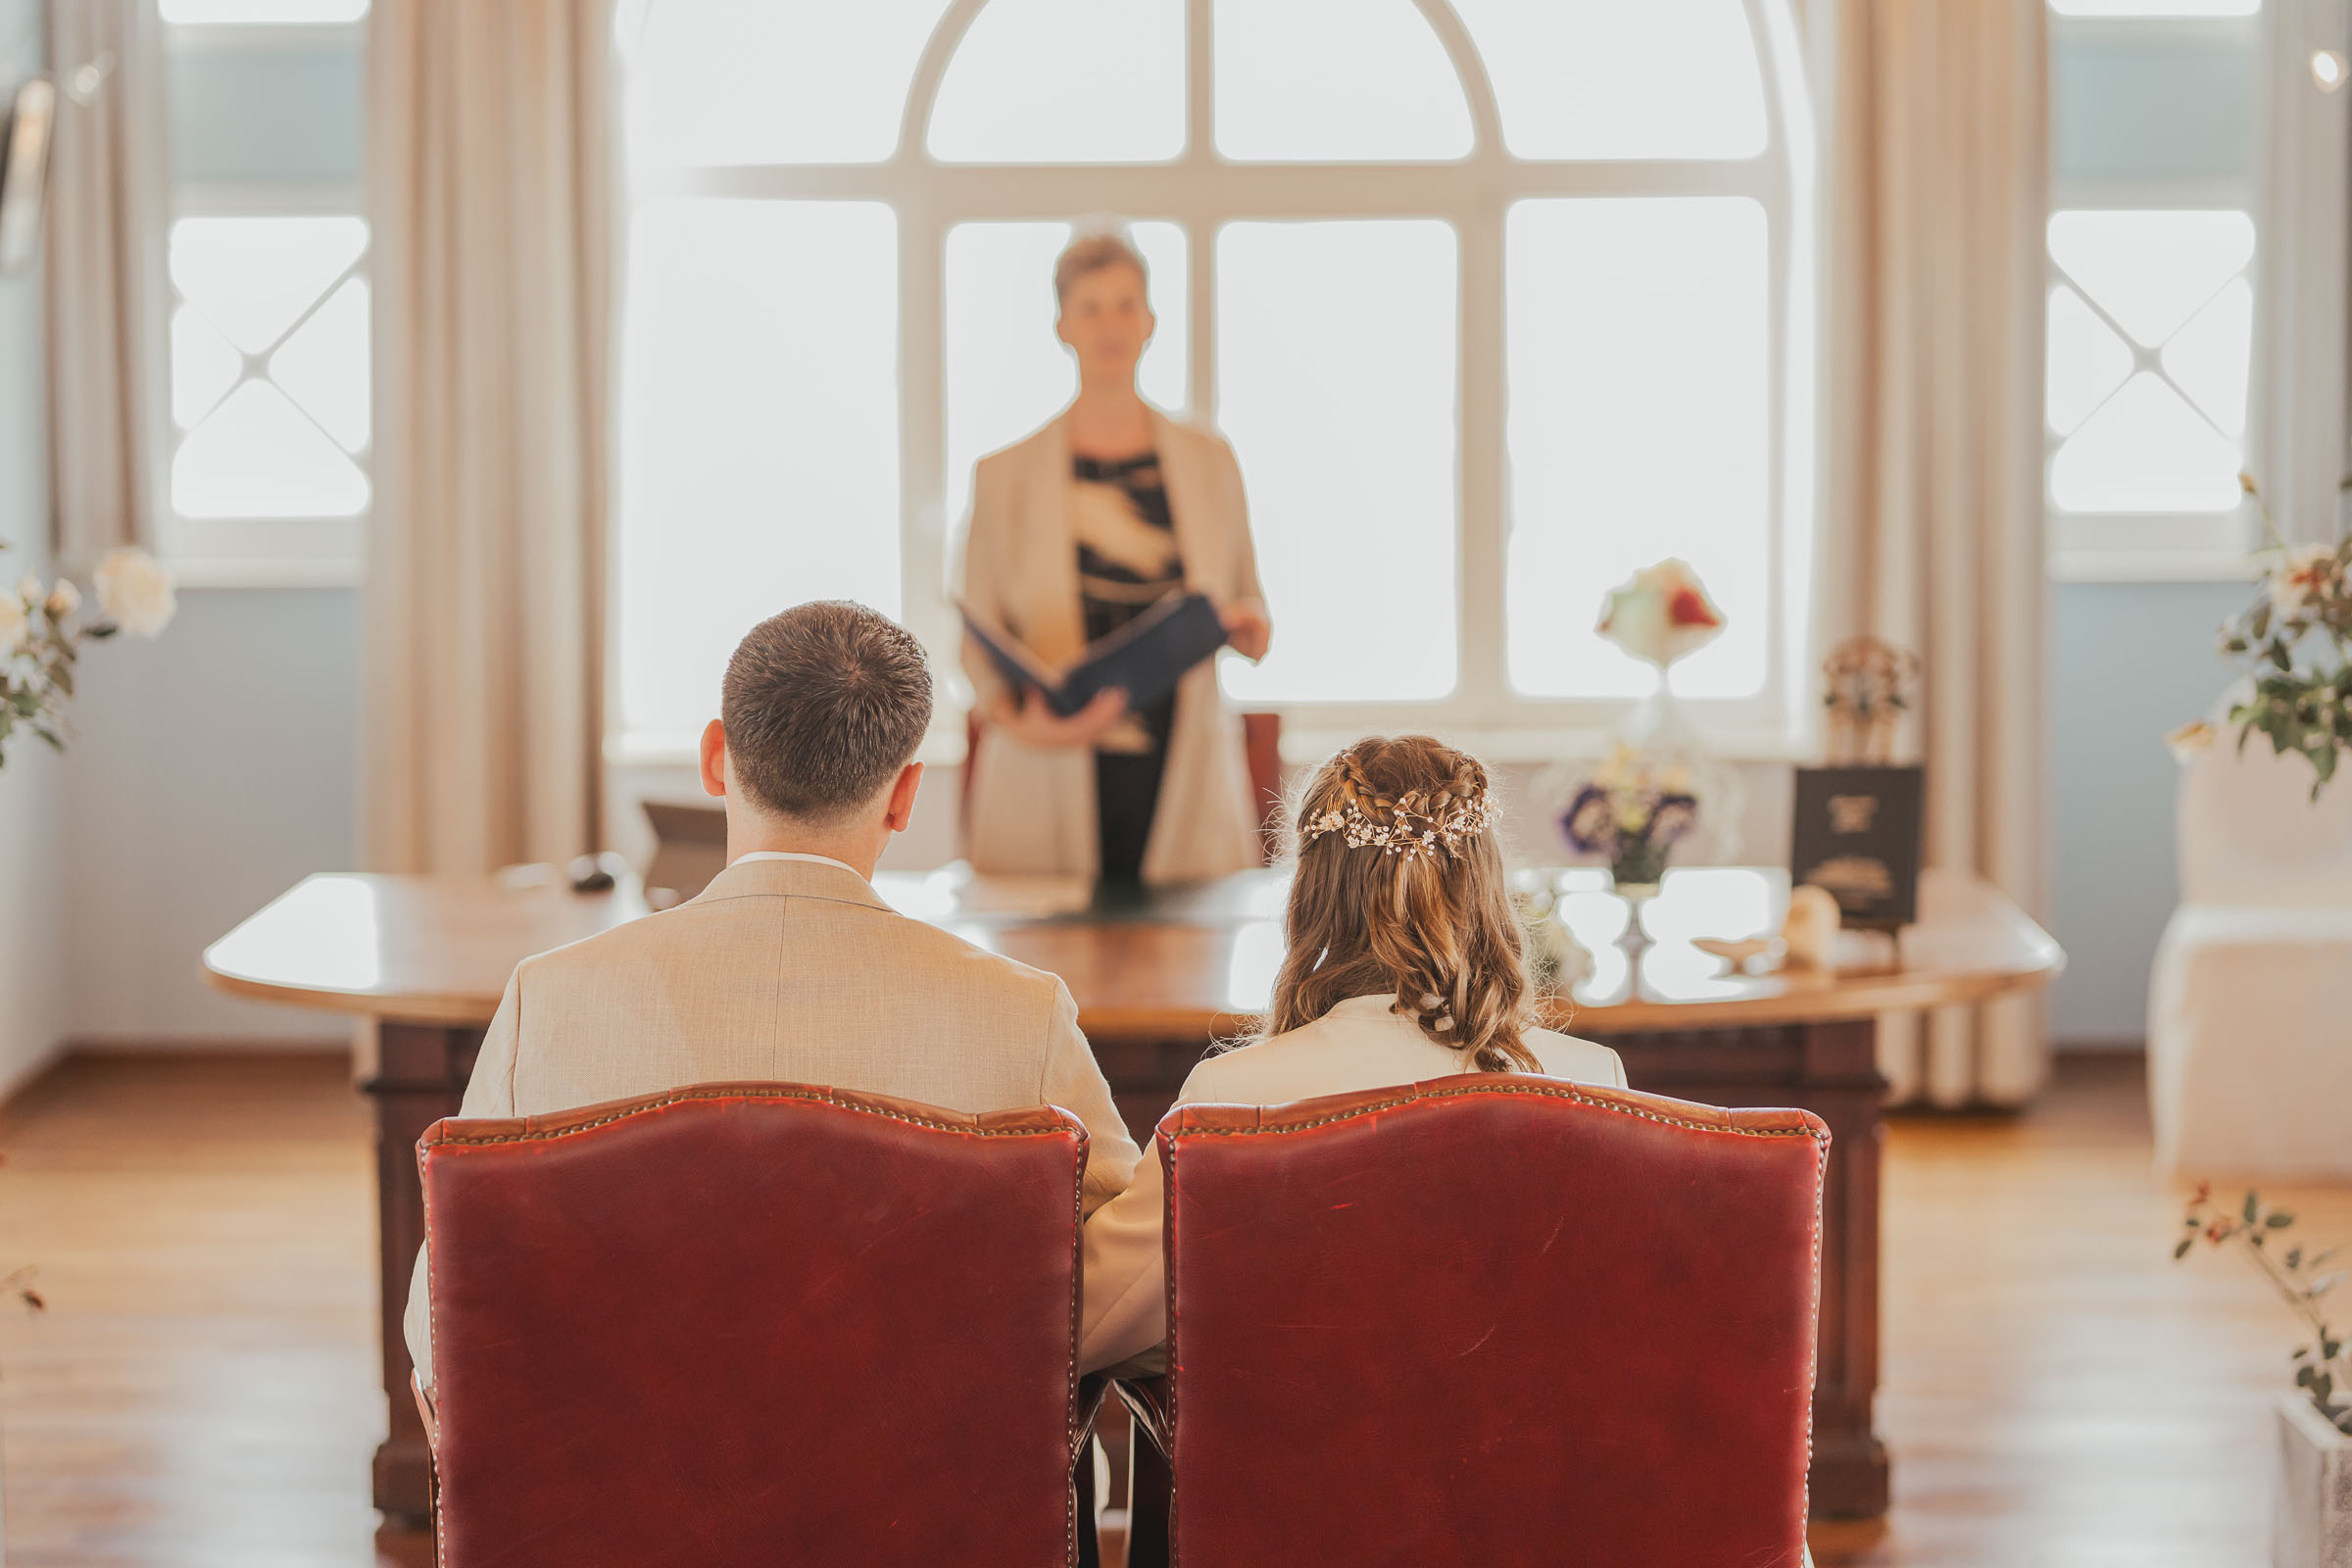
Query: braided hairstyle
[(1400, 890)]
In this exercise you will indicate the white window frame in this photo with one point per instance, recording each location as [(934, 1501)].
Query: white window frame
[(2164, 547), (261, 552), (1201, 190)]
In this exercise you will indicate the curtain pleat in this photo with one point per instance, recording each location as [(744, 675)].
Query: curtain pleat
[(490, 140), (1934, 534), (104, 274)]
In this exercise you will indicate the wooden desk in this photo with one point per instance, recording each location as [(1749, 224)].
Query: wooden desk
[(1155, 977)]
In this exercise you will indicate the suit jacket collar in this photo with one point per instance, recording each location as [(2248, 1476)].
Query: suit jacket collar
[(791, 879)]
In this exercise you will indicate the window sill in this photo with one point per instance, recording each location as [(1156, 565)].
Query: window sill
[(194, 573), (666, 748), (2152, 565), (246, 37), (1300, 744), (1526, 747)]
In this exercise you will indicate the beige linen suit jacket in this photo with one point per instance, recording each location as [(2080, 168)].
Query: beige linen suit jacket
[(789, 970), (1359, 1043), (1032, 808)]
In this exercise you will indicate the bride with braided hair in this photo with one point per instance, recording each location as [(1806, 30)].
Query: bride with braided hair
[(1404, 962)]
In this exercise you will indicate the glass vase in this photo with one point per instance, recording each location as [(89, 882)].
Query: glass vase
[(1662, 730)]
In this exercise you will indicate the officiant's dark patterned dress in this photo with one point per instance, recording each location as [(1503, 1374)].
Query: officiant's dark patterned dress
[(1127, 561)]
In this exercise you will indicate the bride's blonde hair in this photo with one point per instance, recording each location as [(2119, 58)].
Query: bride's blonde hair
[(1400, 890)]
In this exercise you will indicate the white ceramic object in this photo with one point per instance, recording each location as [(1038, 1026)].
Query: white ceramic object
[(1809, 932), (2310, 1524), (2248, 1071)]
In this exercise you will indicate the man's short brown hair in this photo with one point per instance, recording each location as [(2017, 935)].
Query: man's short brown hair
[(822, 706), (1091, 253)]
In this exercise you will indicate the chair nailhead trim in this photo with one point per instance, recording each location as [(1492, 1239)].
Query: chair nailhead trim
[(1543, 1091), (1025, 1130)]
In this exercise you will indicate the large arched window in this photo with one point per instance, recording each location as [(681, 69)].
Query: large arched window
[(1497, 299)]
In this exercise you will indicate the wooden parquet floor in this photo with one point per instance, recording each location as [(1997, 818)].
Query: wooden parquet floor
[(2057, 1393)]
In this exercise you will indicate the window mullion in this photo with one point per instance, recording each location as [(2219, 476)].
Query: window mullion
[(1200, 216), (924, 527), (1482, 488), (1199, 86)]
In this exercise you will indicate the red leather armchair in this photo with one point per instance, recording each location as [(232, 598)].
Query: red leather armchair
[(1491, 1319), (754, 1324)]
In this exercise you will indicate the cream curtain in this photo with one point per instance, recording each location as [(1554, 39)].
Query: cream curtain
[(490, 131), (1940, 196), (105, 278)]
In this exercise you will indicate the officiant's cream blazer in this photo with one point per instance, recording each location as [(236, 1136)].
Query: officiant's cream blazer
[(1359, 1043), (790, 971), (1032, 808)]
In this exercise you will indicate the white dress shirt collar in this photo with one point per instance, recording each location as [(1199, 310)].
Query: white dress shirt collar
[(796, 855)]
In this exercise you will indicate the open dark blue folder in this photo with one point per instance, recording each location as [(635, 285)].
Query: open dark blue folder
[(1146, 657)]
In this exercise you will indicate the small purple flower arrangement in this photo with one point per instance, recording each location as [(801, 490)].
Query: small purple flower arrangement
[(1633, 815)]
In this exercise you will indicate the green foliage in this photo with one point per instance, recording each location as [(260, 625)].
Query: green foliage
[(2294, 642), (2321, 1364), (36, 673)]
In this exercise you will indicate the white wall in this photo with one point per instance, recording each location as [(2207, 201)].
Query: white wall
[(33, 866), (213, 770), (2128, 661)]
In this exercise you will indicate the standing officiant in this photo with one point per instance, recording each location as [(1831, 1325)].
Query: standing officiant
[(1076, 530)]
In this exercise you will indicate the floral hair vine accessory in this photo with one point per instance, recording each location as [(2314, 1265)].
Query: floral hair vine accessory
[(1408, 831)]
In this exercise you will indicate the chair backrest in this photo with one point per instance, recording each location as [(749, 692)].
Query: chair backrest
[(2250, 832), (1491, 1319), (755, 1323)]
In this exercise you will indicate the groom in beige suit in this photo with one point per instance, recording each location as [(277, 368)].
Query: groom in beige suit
[(789, 966)]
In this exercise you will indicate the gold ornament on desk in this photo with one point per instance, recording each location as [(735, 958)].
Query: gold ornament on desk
[(1858, 821), (1869, 686)]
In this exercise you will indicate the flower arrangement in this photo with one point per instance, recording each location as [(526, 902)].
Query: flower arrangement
[(1556, 961), (2321, 1369), (2294, 641), (1632, 809), (1660, 614), (41, 630)]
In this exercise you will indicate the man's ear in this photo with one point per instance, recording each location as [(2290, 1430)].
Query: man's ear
[(715, 758), (901, 810)]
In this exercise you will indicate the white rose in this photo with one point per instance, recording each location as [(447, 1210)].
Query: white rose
[(2302, 579), (1660, 614), (11, 624), (64, 600), (29, 591), (135, 592)]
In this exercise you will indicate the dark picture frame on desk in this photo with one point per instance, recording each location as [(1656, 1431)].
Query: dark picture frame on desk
[(1857, 835)]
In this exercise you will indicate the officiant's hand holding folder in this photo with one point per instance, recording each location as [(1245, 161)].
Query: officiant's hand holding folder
[(1144, 659)]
